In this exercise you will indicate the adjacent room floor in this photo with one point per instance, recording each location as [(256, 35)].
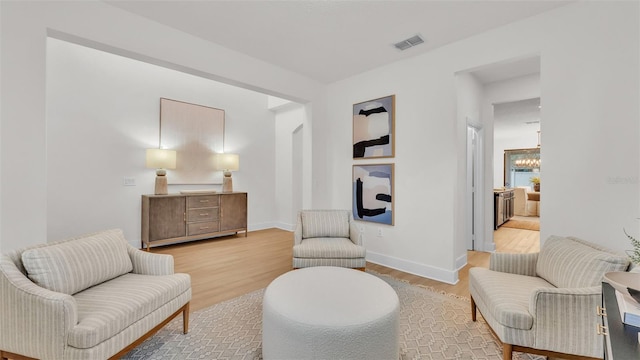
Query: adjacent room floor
[(517, 236)]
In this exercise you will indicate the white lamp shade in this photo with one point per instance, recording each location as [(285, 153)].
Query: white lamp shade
[(228, 162), (161, 159)]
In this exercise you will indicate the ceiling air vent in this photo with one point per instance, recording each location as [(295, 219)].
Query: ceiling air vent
[(410, 42)]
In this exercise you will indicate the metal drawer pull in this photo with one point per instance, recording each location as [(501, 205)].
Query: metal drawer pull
[(601, 311), (204, 214), (204, 200), (204, 228), (602, 330)]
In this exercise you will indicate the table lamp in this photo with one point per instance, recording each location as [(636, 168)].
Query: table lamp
[(161, 159), (227, 163)]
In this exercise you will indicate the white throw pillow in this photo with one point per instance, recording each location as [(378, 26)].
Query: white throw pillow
[(569, 262), (72, 266)]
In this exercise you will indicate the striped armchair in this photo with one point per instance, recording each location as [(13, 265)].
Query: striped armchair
[(92, 297), (327, 238), (545, 303)]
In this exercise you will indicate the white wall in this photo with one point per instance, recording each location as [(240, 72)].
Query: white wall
[(469, 97), (589, 51), (287, 122), (421, 241), (591, 121), (103, 112), (24, 29)]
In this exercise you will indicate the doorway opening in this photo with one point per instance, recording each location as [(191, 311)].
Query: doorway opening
[(517, 171), (482, 92)]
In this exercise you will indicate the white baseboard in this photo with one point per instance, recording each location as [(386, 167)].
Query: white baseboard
[(461, 261), (261, 226), (489, 247), (411, 267), (284, 226)]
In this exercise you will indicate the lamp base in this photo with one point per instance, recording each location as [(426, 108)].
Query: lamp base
[(227, 184), (161, 185)]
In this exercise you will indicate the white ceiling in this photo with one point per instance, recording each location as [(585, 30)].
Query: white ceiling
[(332, 40), (517, 118), (508, 70)]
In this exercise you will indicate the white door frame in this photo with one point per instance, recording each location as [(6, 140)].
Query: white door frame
[(474, 200), (297, 174)]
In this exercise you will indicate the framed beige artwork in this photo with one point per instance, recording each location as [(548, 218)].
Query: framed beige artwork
[(196, 132)]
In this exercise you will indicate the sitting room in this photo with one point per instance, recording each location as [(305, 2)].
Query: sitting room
[(311, 152)]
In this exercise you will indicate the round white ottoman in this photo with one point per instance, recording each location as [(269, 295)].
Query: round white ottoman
[(330, 313)]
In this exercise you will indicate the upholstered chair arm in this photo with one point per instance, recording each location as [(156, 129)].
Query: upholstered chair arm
[(354, 233), (147, 263), (34, 321), (521, 264), (565, 320), (297, 234)]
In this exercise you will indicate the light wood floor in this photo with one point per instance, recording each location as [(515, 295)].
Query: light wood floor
[(231, 266)]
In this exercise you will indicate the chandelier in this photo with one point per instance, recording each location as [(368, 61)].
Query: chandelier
[(528, 163), (531, 160)]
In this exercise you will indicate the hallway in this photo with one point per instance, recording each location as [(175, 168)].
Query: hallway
[(513, 240)]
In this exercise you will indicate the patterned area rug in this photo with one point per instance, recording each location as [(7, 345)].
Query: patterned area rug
[(433, 325)]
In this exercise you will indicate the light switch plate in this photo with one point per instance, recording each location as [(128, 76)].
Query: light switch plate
[(129, 181)]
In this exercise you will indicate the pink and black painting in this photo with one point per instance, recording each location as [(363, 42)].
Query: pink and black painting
[(373, 128), (373, 193)]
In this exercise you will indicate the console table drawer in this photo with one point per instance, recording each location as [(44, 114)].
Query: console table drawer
[(194, 202), (204, 214), (203, 228)]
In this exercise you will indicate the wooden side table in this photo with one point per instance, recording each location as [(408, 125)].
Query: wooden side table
[(621, 340)]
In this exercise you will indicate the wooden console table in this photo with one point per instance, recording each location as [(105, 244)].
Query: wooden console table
[(174, 218)]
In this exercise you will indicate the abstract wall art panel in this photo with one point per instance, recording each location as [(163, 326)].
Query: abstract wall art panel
[(373, 128), (373, 193), (196, 132)]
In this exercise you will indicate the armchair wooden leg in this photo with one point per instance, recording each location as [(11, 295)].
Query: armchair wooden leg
[(185, 319), (507, 351), (473, 309), (5, 355)]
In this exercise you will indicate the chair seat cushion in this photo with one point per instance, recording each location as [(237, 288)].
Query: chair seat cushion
[(106, 309), (328, 248), (506, 295)]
